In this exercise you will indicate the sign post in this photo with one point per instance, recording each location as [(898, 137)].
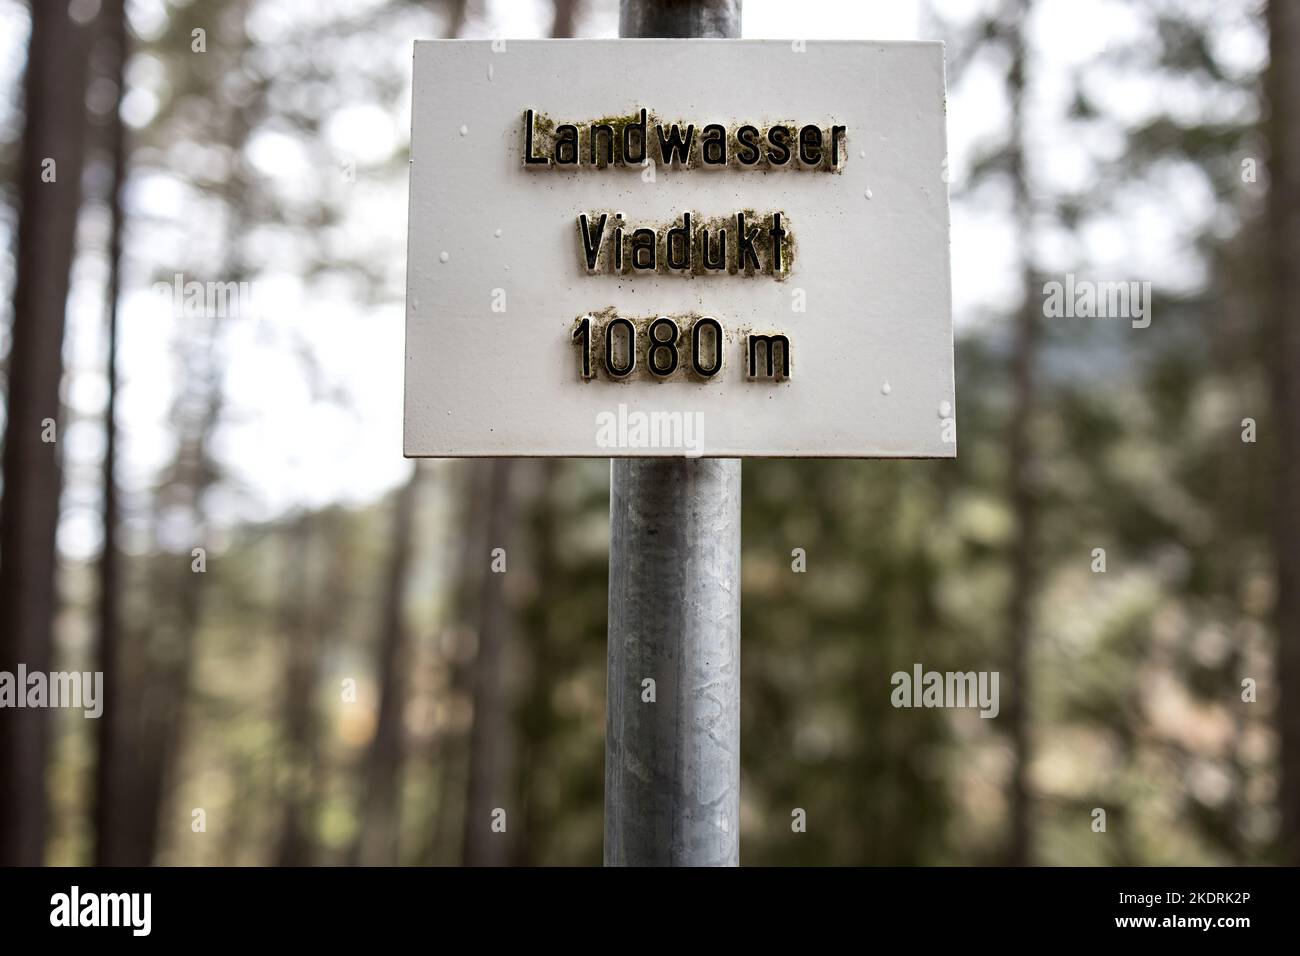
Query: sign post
[(676, 253), (672, 767)]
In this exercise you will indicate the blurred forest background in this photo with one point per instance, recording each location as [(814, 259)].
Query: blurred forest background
[(300, 633)]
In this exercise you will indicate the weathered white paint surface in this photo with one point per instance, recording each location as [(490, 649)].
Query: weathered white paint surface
[(872, 354)]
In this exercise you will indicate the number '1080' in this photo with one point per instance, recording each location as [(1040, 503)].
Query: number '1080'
[(616, 346)]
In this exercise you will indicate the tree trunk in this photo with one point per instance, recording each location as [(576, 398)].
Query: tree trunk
[(450, 750), (110, 802), (536, 716), (1021, 479), (57, 72), (165, 694), (197, 411), (490, 743), (299, 631), (1283, 87), (565, 21), (378, 840)]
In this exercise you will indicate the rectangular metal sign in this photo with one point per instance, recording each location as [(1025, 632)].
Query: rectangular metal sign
[(729, 248)]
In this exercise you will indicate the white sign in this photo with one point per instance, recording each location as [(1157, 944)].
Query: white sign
[(679, 247)]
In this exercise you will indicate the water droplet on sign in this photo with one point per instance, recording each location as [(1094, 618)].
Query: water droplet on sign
[(444, 256)]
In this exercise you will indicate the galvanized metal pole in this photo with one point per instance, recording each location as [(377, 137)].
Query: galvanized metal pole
[(672, 747), (679, 18)]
